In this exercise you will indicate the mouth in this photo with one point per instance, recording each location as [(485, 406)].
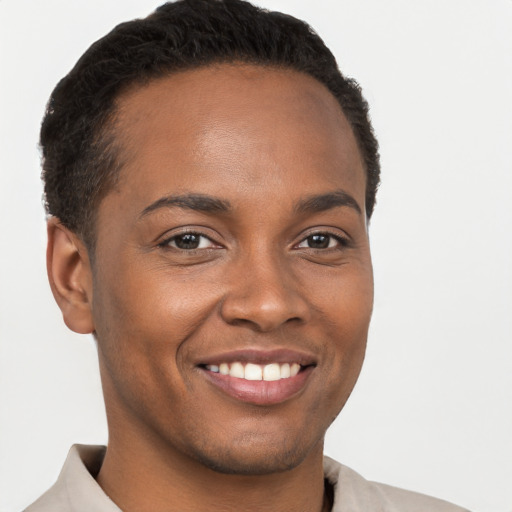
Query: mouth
[(269, 372), (260, 378)]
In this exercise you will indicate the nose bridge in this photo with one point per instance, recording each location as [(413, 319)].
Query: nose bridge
[(263, 292)]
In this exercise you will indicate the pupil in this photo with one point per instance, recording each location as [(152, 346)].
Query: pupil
[(318, 241), (188, 241)]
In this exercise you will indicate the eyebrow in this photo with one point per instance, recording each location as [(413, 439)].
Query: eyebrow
[(197, 202), (322, 202), (209, 204)]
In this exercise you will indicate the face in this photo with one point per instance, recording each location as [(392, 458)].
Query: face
[(232, 284)]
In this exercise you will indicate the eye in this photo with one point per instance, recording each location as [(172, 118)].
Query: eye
[(188, 242), (321, 241)]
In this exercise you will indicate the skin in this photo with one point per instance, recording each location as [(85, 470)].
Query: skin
[(264, 141)]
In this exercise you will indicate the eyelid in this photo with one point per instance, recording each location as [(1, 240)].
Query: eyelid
[(343, 238), (169, 236), (172, 241), (337, 240)]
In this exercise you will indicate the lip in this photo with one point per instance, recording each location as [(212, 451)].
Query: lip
[(260, 392), (258, 356)]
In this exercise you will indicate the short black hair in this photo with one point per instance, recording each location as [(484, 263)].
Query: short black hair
[(80, 160)]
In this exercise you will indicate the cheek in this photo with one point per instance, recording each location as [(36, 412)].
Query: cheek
[(151, 305), (142, 330), (344, 298), (143, 319), (346, 305)]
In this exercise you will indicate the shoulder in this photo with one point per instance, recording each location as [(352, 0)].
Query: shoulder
[(353, 493), (76, 489)]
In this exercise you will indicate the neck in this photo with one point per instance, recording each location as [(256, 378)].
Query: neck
[(140, 475)]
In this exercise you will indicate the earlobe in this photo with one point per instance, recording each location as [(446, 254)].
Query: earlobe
[(70, 276)]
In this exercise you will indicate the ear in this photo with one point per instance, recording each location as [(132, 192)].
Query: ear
[(70, 276)]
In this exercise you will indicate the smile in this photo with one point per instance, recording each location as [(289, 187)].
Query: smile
[(250, 371), (259, 377)]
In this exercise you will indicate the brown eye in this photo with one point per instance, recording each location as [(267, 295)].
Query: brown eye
[(189, 242), (320, 241)]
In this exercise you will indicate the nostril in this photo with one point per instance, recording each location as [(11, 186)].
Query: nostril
[(262, 312)]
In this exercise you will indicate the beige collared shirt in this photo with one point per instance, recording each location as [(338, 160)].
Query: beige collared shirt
[(76, 490)]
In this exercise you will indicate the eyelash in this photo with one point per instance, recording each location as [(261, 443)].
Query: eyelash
[(340, 240), (165, 244)]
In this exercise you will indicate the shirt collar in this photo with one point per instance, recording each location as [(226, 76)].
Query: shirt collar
[(77, 480)]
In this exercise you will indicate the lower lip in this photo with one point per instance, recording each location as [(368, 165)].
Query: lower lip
[(260, 392)]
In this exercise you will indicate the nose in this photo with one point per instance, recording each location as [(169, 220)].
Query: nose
[(264, 295)]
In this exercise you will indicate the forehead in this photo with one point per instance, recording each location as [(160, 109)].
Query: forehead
[(253, 125)]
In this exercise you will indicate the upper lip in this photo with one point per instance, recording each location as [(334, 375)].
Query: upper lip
[(260, 356)]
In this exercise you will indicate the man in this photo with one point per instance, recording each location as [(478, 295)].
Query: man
[(209, 176)]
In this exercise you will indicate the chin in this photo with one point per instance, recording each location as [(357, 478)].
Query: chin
[(249, 458)]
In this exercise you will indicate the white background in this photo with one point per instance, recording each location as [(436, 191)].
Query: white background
[(433, 408)]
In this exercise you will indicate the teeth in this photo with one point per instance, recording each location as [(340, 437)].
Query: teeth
[(253, 372), (285, 371), (271, 372), (237, 370), (268, 372)]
